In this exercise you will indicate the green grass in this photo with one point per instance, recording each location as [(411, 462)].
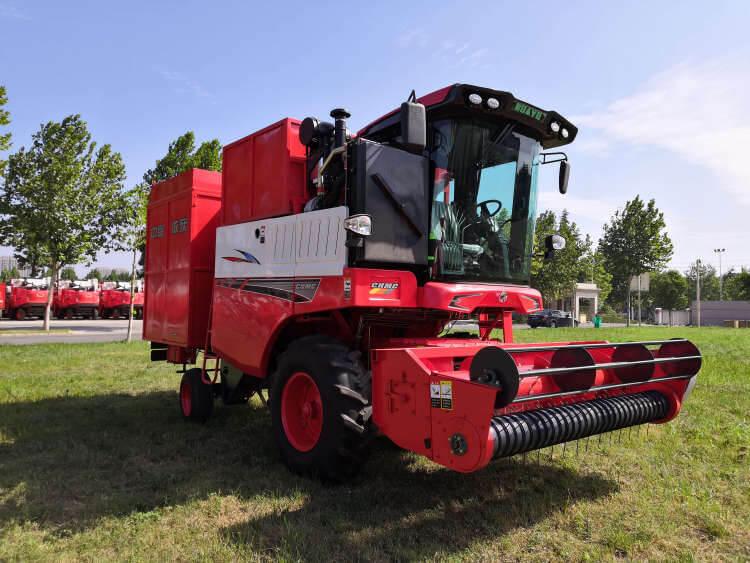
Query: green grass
[(96, 464)]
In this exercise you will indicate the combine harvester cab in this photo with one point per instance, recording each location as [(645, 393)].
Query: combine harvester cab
[(114, 300), (28, 298), (322, 269), (79, 298)]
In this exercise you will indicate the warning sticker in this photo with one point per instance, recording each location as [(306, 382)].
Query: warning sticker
[(435, 395), (441, 395)]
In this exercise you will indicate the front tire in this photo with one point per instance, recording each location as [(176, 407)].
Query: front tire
[(320, 408), (196, 397)]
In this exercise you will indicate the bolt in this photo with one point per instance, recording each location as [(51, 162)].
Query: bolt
[(458, 444)]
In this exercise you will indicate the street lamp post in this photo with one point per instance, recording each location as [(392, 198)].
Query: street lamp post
[(720, 251)]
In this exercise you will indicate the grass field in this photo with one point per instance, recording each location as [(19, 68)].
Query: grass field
[(97, 464)]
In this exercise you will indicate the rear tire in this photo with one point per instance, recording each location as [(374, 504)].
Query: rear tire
[(20, 314), (320, 409), (196, 397)]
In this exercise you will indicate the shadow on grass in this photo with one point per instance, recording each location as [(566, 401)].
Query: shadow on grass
[(68, 461)]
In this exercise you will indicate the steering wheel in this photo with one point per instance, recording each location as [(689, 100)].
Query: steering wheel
[(482, 206)]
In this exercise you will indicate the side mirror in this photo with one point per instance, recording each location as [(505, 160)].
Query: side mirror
[(413, 127), (564, 175), (551, 244)]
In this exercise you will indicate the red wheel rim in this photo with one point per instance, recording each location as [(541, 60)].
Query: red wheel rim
[(186, 399), (301, 411)]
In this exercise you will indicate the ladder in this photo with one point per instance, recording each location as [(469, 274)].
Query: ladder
[(208, 353)]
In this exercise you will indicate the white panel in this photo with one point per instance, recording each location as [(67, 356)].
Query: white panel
[(315, 241), (321, 248)]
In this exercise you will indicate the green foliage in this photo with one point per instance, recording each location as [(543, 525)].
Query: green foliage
[(182, 155), (669, 290), (68, 273), (737, 285), (592, 270), (94, 274), (117, 274), (62, 201), (709, 282), (557, 278), (634, 241), (8, 274), (4, 121)]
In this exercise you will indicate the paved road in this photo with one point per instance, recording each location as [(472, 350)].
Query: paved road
[(80, 330)]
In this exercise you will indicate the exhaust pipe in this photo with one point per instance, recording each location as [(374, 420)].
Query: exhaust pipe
[(532, 430)]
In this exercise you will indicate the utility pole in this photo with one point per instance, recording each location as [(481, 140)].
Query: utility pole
[(698, 290), (639, 299), (720, 251)]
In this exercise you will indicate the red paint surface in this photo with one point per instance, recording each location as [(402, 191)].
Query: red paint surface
[(263, 174), (180, 257)]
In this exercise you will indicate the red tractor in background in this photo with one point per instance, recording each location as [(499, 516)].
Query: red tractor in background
[(79, 298), (114, 300), (323, 269), (27, 297)]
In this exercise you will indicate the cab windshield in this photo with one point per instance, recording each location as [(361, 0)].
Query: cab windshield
[(484, 201)]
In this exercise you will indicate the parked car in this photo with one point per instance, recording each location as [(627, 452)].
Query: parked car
[(551, 318)]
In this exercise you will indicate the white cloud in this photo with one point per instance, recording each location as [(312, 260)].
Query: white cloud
[(11, 12), (696, 110), (412, 38), (595, 210), (183, 84)]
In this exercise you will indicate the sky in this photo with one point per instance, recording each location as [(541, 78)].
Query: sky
[(660, 91)]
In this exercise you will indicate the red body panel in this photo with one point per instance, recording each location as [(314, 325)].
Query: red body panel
[(3, 289), (117, 298), (181, 229), (23, 297), (263, 174), (65, 298)]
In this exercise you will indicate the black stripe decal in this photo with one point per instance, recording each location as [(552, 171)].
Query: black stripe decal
[(297, 291)]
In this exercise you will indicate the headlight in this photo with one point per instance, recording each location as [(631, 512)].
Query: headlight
[(475, 99), (359, 224), (564, 133), (492, 103), (554, 127)]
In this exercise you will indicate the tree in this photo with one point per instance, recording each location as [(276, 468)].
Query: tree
[(134, 238), (68, 273), (9, 274), (635, 241), (709, 282), (4, 121), (592, 270), (94, 274), (737, 285), (182, 155), (62, 197), (669, 290), (556, 278)]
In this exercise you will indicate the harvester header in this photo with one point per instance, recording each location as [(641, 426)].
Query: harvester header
[(320, 271)]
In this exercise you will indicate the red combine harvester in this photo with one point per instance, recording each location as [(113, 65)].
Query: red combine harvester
[(28, 298), (78, 298), (114, 300), (324, 268)]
